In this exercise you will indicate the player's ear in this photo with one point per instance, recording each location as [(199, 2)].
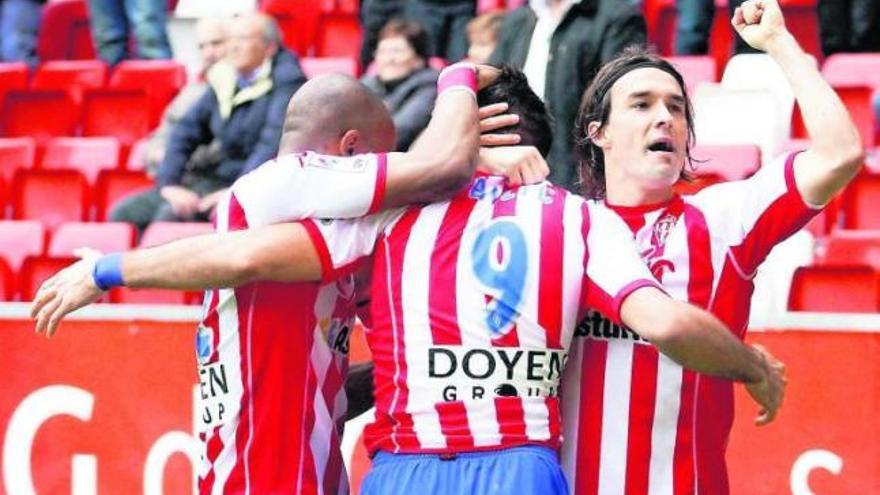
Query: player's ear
[(596, 133), (349, 142)]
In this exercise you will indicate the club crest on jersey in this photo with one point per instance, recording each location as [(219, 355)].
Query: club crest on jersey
[(662, 228), (204, 343)]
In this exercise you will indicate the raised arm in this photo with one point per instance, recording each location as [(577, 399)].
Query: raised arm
[(444, 157), (699, 341), (836, 153)]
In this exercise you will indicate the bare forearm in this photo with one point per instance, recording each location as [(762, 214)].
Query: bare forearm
[(280, 253), (702, 343), (194, 263)]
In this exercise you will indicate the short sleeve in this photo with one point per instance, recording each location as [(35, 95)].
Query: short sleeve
[(614, 269), (343, 244), (756, 214), (310, 185)]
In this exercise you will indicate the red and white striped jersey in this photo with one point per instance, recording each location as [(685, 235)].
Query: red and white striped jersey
[(474, 302), (273, 356), (636, 422)]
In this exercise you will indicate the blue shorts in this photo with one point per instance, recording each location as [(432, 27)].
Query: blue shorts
[(515, 471)]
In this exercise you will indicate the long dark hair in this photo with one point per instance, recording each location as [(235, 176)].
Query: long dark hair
[(596, 107)]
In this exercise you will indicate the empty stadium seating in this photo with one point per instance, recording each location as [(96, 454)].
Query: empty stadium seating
[(15, 154), (50, 196), (845, 247), (161, 233), (696, 70), (64, 31), (839, 289), (298, 22), (13, 75), (860, 203), (105, 237), (35, 270), (114, 185), (20, 239), (339, 35), (7, 282), (123, 114), (88, 155), (41, 114), (159, 79), (74, 76)]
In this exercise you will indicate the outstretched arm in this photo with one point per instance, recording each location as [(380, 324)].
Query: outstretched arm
[(836, 153), (697, 340)]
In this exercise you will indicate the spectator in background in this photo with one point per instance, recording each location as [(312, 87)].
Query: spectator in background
[(374, 15), (242, 112), (694, 25), (560, 45), (482, 33), (849, 26), (19, 27), (403, 79), (446, 22), (211, 37), (113, 21)]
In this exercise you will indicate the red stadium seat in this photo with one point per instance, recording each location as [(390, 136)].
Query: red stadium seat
[(298, 22), (36, 269), (122, 114), (13, 75), (88, 155), (15, 154), (64, 31), (160, 79), (41, 114), (860, 202), (114, 185), (696, 70), (315, 66), (50, 196), (7, 282), (161, 233), (853, 69), (838, 289), (339, 35), (845, 247), (137, 159), (20, 239), (105, 237), (74, 76)]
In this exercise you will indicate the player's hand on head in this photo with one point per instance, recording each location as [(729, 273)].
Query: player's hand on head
[(759, 23), (770, 391), (520, 164), (494, 117), (65, 292), (486, 75)]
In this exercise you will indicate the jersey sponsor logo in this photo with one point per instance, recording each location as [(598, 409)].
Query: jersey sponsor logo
[(598, 327), (355, 164), (459, 373), (215, 400), (204, 343)]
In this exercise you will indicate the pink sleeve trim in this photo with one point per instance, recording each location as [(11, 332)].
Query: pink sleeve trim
[(625, 292), (381, 182), (327, 270)]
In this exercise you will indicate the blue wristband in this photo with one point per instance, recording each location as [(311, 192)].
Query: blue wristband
[(108, 271)]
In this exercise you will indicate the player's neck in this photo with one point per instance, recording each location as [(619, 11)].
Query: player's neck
[(632, 194)]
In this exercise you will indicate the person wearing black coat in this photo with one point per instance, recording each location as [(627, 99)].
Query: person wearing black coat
[(589, 33)]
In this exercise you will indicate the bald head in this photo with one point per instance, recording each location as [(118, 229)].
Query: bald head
[(333, 108)]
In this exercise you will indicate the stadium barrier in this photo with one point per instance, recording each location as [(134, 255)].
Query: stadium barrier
[(107, 406)]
